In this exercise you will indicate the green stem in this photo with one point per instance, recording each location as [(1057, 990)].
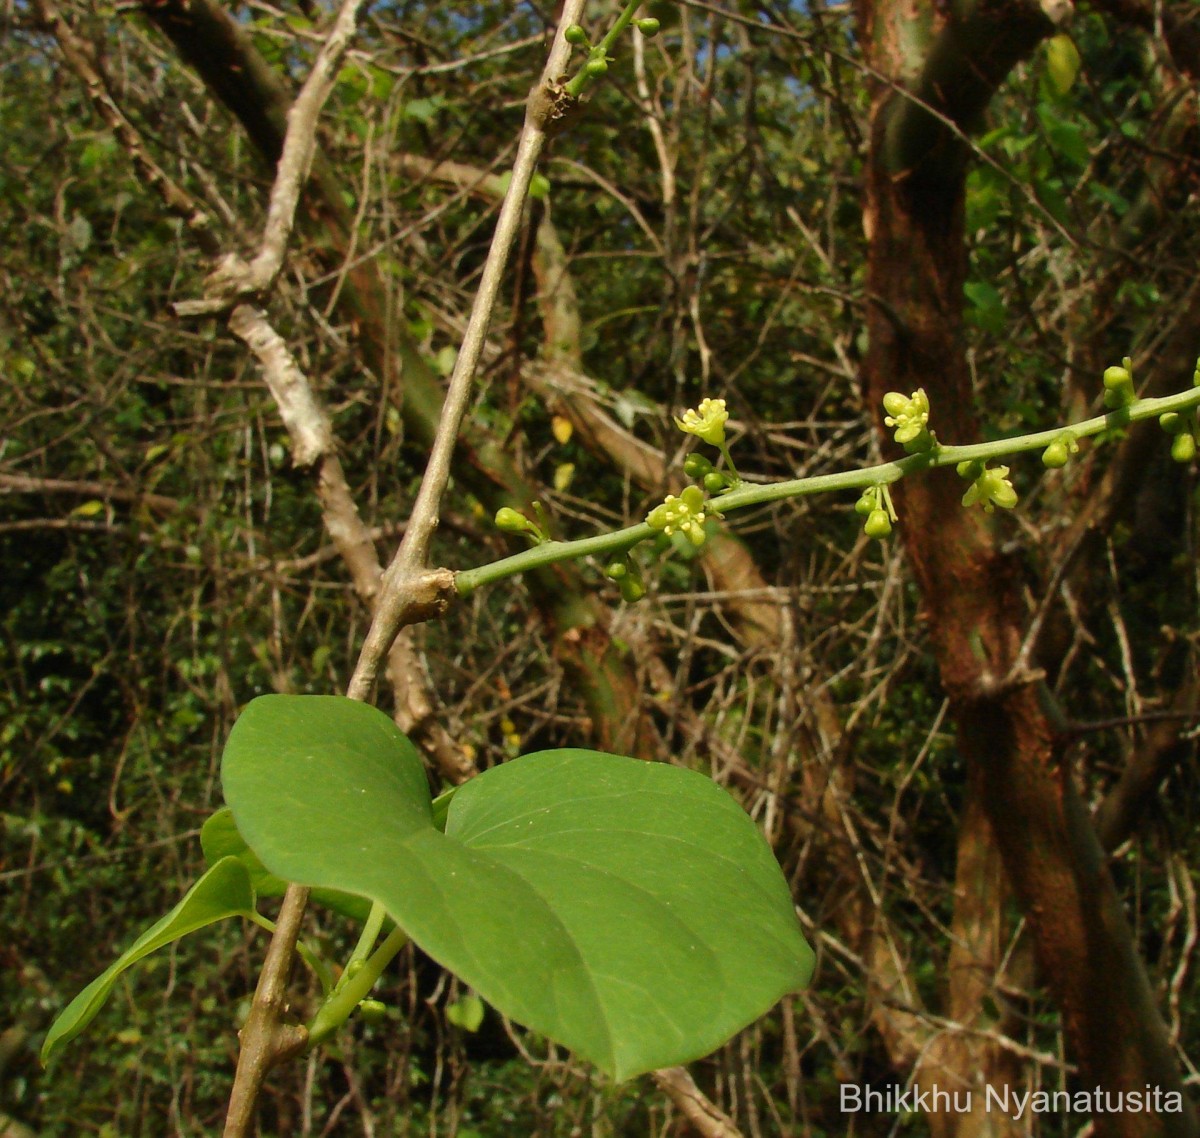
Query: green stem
[(737, 478), (581, 78), (620, 541), (337, 1009), (370, 934)]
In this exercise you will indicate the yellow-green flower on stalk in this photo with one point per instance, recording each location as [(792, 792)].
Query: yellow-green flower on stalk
[(991, 488), (683, 514), (909, 414), (708, 423)]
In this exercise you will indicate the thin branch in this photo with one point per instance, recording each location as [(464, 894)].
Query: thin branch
[(24, 484), (266, 1040), (235, 279), (396, 605), (694, 1104)]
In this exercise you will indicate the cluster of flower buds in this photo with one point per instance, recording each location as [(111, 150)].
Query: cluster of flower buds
[(1183, 429), (1118, 385), (628, 577), (875, 504), (713, 480)]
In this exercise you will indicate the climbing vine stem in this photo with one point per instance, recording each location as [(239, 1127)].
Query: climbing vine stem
[(746, 495)]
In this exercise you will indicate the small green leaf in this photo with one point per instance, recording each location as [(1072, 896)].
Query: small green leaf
[(987, 306), (424, 110), (629, 910), (1062, 62), (466, 1013), (224, 891)]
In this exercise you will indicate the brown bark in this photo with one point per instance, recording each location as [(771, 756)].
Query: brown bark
[(916, 271)]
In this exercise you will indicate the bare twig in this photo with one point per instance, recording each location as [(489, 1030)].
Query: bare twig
[(400, 603), (234, 278), (266, 1040), (23, 484), (694, 1104)]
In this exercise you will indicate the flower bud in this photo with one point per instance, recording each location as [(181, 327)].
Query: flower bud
[(616, 570), (575, 35), (696, 465), (648, 26), (1055, 455), (372, 1011), (1171, 422), (1117, 376), (868, 502), (1183, 449), (595, 67), (632, 589), (715, 482), (878, 524), (511, 521)]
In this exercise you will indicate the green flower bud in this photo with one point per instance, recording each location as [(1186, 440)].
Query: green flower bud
[(1118, 386), (868, 502), (972, 468), (372, 1011), (575, 35), (1117, 376), (1172, 422), (632, 589), (648, 26), (1183, 449), (1055, 455), (616, 570), (595, 67), (878, 524), (715, 482), (696, 465), (1116, 398), (510, 521)]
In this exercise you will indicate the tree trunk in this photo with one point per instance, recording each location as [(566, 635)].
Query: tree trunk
[(915, 275)]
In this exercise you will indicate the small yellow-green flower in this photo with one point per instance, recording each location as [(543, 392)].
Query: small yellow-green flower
[(991, 489), (683, 514), (708, 423), (909, 414)]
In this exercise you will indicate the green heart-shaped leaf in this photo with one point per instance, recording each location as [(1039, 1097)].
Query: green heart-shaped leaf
[(628, 910), (224, 891)]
